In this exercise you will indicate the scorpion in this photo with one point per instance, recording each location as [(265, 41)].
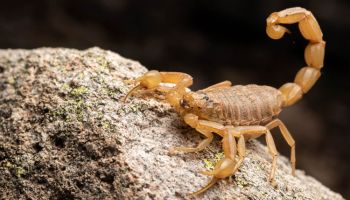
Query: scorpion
[(242, 112)]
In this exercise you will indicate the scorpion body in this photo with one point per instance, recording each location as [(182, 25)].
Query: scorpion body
[(239, 113), (240, 105)]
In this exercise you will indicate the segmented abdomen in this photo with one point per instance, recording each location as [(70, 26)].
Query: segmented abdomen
[(245, 105)]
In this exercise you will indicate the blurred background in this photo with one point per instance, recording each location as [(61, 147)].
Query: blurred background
[(213, 41)]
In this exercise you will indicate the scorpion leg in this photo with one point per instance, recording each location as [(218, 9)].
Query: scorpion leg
[(250, 132), (224, 84), (241, 152), (204, 127), (226, 166), (202, 145), (287, 136), (246, 133), (273, 151)]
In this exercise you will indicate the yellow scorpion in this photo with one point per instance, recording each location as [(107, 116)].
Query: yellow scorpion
[(242, 112)]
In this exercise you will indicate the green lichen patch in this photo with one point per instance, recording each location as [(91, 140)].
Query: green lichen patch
[(79, 91), (210, 163), (241, 181), (102, 61), (11, 80), (7, 165), (132, 108), (20, 171), (65, 87), (73, 109), (112, 92)]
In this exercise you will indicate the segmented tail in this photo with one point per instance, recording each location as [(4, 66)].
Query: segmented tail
[(314, 51)]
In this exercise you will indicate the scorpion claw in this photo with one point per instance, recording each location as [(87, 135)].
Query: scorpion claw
[(149, 80)]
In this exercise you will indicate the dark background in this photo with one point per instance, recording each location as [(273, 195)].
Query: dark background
[(213, 41)]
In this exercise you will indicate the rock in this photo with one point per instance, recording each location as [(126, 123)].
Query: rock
[(65, 134)]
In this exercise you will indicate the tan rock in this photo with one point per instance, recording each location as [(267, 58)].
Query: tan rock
[(64, 133)]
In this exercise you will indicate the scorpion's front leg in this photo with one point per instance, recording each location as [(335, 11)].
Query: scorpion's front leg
[(202, 126)]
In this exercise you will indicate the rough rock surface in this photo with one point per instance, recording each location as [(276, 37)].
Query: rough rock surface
[(64, 134)]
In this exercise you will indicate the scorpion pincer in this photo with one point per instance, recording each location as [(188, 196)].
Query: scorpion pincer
[(240, 113)]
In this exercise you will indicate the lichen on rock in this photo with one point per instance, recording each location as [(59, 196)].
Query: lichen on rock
[(65, 134)]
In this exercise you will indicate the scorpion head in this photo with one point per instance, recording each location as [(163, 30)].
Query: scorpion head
[(195, 102)]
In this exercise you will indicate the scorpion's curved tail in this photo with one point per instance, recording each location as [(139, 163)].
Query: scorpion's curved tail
[(314, 52)]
